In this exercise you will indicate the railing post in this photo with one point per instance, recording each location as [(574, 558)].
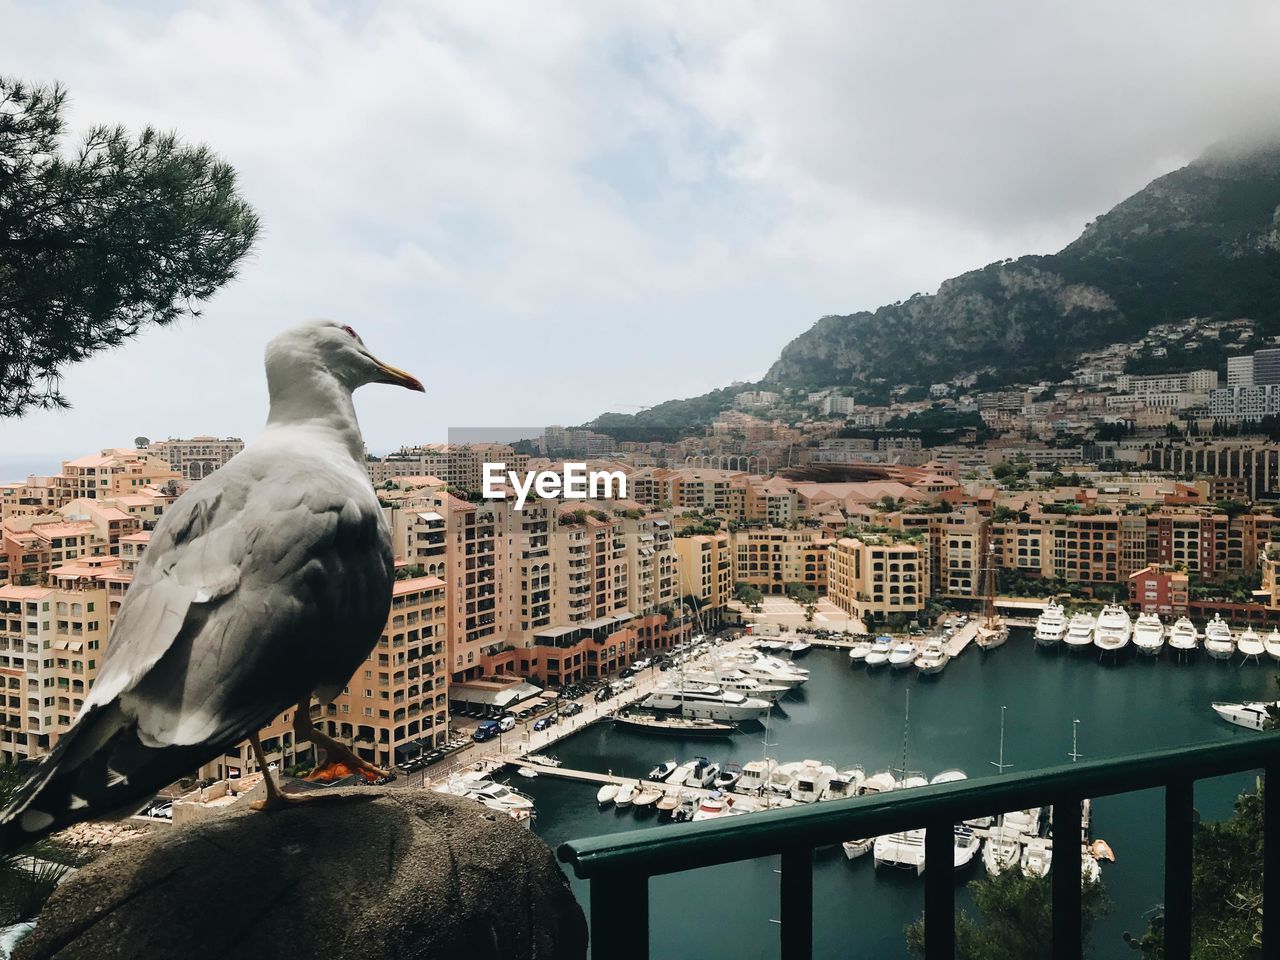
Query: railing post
[(1065, 878), (619, 917), (1271, 861), (939, 891), (1179, 812), (796, 892)]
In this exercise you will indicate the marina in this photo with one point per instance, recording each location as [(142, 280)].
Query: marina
[(854, 717)]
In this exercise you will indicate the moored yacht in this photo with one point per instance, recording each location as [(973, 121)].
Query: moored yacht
[(1113, 630), (1051, 625), (1001, 852), (1253, 715), (1079, 634), (1218, 640), (1148, 634), (878, 655), (1183, 637), (904, 849), (1037, 855), (858, 652), (811, 781), (933, 658), (903, 655), (707, 700), (1250, 645), (755, 776), (738, 682), (1271, 643)]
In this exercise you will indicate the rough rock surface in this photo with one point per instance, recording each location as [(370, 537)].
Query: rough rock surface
[(404, 874)]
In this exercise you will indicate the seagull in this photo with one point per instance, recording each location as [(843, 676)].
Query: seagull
[(267, 582)]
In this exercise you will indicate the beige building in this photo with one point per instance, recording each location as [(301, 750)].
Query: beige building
[(876, 577), (706, 573), (51, 640), (774, 558), (198, 457)]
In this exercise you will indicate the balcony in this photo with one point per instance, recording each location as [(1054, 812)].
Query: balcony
[(619, 865)]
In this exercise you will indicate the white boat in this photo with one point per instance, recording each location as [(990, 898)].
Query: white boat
[(903, 655), (905, 850), (798, 648), (527, 772), (1148, 634), (1183, 636), (755, 776), (992, 633), (858, 652), (607, 794), (810, 781), (881, 782), (709, 808), (1037, 856), (1252, 715), (768, 669), (1113, 629), (1001, 853), (663, 770), (933, 658), (949, 776), (500, 797), (728, 776), (1218, 640), (708, 701), (1079, 634), (1051, 625), (645, 798), (703, 774), (967, 845), (845, 783), (626, 793), (1250, 645), (667, 803), (878, 656), (853, 849), (739, 682), (1271, 643)]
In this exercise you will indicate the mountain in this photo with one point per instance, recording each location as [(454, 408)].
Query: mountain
[(1202, 241)]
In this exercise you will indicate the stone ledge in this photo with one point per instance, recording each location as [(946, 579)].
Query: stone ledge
[(357, 875)]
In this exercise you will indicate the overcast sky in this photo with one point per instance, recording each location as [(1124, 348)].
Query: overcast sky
[(546, 211)]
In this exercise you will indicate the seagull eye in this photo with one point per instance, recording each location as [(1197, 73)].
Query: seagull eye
[(354, 336)]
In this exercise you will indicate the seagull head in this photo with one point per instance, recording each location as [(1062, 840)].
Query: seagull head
[(324, 349)]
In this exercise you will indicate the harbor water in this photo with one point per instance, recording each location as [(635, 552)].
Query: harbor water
[(849, 716)]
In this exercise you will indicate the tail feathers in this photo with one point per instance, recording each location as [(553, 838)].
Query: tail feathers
[(98, 768)]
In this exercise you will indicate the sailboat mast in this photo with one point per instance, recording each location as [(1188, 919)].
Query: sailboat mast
[(1000, 764)]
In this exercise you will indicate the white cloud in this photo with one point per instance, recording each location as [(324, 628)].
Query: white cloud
[(547, 210)]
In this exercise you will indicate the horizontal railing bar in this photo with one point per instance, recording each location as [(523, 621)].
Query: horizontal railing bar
[(677, 847)]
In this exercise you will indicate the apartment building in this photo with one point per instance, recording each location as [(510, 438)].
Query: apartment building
[(460, 466), (51, 638), (197, 457), (875, 578), (1160, 590), (774, 558), (34, 496), (706, 573), (396, 705), (111, 473), (1256, 463)]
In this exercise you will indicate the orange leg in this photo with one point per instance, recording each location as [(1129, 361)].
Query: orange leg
[(335, 752)]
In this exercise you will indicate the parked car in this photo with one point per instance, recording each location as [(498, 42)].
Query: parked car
[(570, 709), (542, 723), (506, 722), (487, 730)]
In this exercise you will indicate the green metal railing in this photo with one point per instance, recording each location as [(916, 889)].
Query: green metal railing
[(619, 866)]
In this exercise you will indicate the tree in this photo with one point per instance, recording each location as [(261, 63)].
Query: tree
[(1015, 919), (99, 243), (1226, 888)]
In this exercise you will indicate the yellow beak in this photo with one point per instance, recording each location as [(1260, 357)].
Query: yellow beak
[(399, 378)]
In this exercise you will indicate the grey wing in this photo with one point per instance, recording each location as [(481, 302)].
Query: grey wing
[(255, 594)]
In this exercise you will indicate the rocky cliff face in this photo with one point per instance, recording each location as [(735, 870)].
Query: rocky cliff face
[(1201, 241)]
